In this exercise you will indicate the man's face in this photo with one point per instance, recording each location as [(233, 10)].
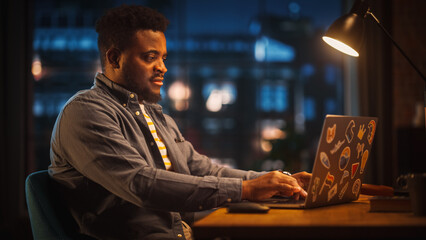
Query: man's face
[(143, 66)]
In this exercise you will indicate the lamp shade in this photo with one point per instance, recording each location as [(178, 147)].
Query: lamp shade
[(346, 34)]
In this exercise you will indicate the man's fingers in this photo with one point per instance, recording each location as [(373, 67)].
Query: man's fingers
[(303, 178), (288, 180), (289, 190), (294, 192), (301, 184)]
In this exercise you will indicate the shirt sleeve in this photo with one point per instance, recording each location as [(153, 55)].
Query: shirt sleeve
[(88, 137)]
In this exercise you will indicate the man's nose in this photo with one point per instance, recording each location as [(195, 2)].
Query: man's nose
[(161, 66)]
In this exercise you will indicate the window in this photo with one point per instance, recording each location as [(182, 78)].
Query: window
[(232, 71)]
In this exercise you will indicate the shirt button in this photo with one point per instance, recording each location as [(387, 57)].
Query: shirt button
[(137, 113), (132, 95), (179, 235), (152, 143), (229, 200), (124, 105), (200, 207)]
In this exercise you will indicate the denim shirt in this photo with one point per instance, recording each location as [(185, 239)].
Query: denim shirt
[(111, 173)]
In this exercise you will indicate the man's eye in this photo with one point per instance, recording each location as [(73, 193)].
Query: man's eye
[(149, 58)]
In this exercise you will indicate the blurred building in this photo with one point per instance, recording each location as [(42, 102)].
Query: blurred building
[(241, 91)]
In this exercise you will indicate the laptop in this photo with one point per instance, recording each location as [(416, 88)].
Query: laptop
[(342, 154)]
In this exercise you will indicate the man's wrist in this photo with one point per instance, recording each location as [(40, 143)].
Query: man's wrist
[(244, 191)]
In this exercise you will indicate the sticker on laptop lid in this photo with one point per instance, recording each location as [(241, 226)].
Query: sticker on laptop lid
[(356, 187), (328, 181), (354, 169), (332, 192), (324, 160), (360, 149), (315, 187), (363, 161), (342, 192), (345, 175), (337, 146), (331, 132), (344, 158), (350, 131), (371, 131), (361, 131)]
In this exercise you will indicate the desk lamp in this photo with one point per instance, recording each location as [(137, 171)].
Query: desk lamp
[(347, 32)]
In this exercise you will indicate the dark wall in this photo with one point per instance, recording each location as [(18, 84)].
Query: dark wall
[(15, 125), (408, 87), (391, 89)]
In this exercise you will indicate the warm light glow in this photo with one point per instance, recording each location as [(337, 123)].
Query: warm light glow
[(179, 91), (273, 133), (340, 46), (214, 102), (36, 69), (181, 105), (217, 97), (266, 146)]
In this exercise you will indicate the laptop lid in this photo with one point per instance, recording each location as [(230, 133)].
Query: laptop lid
[(343, 151)]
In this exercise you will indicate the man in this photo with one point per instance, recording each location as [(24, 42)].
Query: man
[(123, 166)]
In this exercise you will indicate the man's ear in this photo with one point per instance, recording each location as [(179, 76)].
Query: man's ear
[(113, 56)]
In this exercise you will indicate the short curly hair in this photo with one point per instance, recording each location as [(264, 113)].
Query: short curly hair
[(118, 25)]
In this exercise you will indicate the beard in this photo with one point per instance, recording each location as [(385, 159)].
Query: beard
[(149, 96), (143, 92)]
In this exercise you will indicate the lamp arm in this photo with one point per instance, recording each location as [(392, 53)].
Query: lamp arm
[(397, 46), (403, 53)]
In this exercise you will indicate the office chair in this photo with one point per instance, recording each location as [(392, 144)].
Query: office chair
[(49, 217)]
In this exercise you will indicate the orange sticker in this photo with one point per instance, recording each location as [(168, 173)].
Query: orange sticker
[(361, 131), (360, 149), (371, 131), (363, 161), (328, 181), (331, 132)]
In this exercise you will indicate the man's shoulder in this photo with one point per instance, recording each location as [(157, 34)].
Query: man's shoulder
[(89, 99), (169, 119)]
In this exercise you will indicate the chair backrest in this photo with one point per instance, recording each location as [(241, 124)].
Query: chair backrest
[(49, 216)]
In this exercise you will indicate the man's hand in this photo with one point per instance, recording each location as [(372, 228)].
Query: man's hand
[(275, 183), (303, 179)]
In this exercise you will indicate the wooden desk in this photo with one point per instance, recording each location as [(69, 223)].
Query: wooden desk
[(344, 221)]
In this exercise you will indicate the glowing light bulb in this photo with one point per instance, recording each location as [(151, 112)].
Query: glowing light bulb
[(340, 46)]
